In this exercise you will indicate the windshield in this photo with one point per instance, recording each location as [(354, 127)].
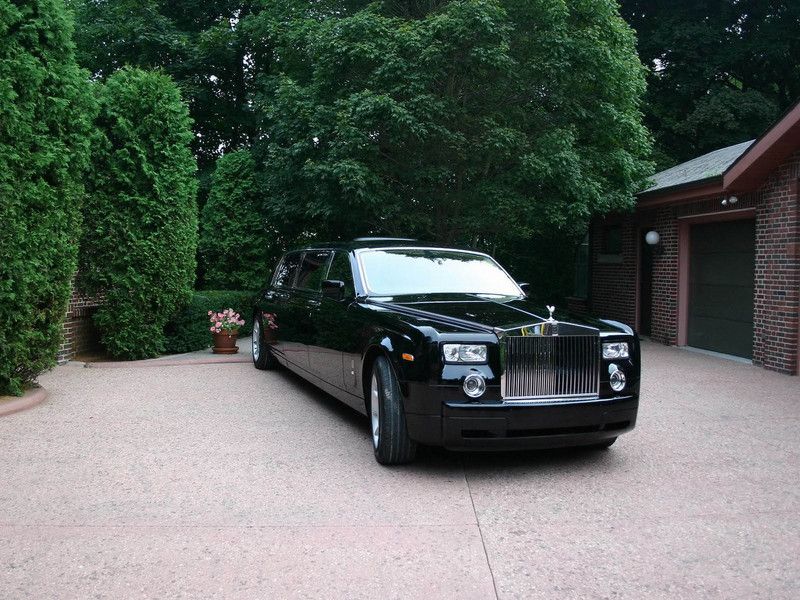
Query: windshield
[(411, 271)]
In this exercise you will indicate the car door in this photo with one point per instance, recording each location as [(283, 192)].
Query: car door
[(287, 336), (333, 329), (307, 298)]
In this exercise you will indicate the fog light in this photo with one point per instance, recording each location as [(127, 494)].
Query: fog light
[(617, 379), (474, 385)]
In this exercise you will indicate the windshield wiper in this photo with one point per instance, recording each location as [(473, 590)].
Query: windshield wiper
[(490, 296)]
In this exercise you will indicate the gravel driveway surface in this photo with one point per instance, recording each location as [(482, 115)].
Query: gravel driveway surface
[(220, 481)]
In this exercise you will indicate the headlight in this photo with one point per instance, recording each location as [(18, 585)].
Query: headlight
[(613, 350), (464, 353)]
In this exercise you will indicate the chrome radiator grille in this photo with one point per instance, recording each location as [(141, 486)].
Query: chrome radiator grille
[(543, 367)]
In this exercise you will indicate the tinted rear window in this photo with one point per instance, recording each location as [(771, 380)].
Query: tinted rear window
[(287, 269), (313, 269)]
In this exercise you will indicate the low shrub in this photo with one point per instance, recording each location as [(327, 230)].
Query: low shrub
[(188, 329)]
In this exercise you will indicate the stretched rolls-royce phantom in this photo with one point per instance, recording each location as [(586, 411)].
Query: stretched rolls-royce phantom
[(440, 346)]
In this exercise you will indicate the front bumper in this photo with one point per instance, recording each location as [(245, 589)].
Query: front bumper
[(506, 427)]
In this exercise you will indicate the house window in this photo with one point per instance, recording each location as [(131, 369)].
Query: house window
[(611, 244), (582, 269), (612, 239)]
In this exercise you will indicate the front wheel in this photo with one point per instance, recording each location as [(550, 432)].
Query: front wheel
[(390, 438), (262, 357), (604, 444)]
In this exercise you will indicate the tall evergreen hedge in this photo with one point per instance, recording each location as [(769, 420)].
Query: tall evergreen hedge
[(140, 218), (235, 244), (45, 121)]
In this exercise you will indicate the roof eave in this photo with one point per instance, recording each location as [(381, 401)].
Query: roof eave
[(683, 192), (766, 154)]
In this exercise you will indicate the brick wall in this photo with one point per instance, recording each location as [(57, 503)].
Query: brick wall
[(664, 319), (612, 292), (777, 294), (80, 334), (614, 284)]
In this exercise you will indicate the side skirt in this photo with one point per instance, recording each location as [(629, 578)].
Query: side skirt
[(351, 400)]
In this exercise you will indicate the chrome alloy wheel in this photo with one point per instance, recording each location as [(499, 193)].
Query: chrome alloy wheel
[(256, 340), (375, 410)]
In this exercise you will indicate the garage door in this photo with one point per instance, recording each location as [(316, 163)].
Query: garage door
[(721, 275)]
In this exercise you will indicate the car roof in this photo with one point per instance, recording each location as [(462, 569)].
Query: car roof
[(377, 243)]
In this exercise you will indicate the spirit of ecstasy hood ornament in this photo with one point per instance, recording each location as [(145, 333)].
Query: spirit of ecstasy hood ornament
[(552, 309)]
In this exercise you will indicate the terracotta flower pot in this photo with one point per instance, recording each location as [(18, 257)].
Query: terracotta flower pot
[(225, 342)]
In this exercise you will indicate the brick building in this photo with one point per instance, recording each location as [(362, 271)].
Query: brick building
[(721, 268)]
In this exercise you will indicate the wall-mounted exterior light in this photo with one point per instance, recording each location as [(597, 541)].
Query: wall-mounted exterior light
[(653, 239), (729, 201)]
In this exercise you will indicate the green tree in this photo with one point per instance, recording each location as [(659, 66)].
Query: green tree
[(45, 120), (474, 121), (237, 245), (721, 71), (203, 46), (140, 234)]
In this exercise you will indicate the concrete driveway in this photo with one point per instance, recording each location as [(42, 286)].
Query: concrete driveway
[(220, 481)]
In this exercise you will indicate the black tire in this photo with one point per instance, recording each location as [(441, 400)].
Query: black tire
[(262, 357), (390, 438), (604, 444)]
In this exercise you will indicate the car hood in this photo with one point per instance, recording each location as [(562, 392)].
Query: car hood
[(500, 316)]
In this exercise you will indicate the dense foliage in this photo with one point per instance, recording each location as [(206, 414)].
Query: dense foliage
[(487, 122), (721, 70), (45, 116), (203, 46), (188, 329), (140, 233), (470, 121), (237, 244)]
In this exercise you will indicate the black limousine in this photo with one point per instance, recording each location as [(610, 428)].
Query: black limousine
[(440, 346)]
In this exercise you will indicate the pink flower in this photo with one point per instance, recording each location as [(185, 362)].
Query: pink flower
[(212, 329)]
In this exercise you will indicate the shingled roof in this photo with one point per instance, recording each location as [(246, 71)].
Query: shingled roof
[(711, 165)]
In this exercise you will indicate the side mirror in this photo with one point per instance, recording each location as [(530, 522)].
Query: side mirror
[(526, 288), (333, 289)]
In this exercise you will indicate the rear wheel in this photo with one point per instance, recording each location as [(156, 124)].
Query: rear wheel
[(262, 357), (390, 438)]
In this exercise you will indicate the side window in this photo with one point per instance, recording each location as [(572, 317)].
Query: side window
[(340, 271), (313, 269), (287, 269)]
